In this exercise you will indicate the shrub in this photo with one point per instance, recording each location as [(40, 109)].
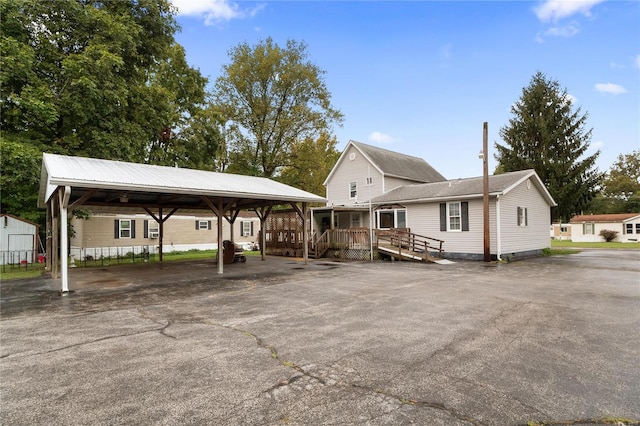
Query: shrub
[(608, 235)]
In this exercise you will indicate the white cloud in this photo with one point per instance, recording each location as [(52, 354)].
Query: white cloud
[(214, 11), (554, 10), (564, 31), (637, 61), (594, 146), (380, 137), (614, 89), (572, 99)]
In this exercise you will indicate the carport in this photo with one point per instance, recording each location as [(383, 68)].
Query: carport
[(68, 183)]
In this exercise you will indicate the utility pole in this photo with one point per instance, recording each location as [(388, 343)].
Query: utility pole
[(485, 191)]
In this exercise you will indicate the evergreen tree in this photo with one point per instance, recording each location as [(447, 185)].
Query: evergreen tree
[(548, 135)]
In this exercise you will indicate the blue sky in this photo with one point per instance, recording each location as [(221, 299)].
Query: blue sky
[(421, 77)]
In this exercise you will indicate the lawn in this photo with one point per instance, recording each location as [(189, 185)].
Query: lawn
[(614, 245)]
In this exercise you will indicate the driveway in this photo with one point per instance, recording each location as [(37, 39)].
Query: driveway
[(278, 342)]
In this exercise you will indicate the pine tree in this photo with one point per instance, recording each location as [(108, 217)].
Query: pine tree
[(548, 135)]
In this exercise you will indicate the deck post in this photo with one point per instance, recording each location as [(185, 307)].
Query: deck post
[(220, 215), (305, 235)]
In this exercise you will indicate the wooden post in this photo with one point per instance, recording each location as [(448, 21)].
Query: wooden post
[(160, 233), (220, 215), (305, 235), (485, 192)]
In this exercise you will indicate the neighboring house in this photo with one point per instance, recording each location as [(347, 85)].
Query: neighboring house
[(361, 173), (104, 233), (404, 192), (560, 231), (586, 228), (19, 240)]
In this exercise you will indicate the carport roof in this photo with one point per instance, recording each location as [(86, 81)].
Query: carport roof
[(120, 186)]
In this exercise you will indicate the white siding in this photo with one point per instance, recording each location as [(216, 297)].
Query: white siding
[(635, 236), (424, 219), (394, 182), (534, 236), (17, 235), (577, 232), (356, 170)]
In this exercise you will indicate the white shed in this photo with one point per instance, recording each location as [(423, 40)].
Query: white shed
[(18, 240)]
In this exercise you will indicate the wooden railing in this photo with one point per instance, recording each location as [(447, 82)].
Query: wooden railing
[(410, 242)]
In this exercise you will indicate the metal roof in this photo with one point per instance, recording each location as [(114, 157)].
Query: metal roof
[(462, 188), (108, 183)]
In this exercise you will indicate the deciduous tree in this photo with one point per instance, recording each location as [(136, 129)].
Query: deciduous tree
[(271, 97)]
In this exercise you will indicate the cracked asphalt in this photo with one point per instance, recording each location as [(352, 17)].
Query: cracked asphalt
[(276, 342)]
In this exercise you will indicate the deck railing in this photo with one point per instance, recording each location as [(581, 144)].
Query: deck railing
[(409, 241)]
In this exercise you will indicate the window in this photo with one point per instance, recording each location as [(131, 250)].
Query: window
[(637, 228), (369, 181), (522, 217), (392, 218), (125, 228), (151, 229), (454, 216), (587, 228), (564, 229), (203, 224), (353, 190), (629, 228), (247, 228)]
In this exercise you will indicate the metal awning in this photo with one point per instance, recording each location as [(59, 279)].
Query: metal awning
[(70, 183)]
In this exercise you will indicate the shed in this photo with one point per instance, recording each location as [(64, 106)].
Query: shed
[(69, 183), (19, 240)]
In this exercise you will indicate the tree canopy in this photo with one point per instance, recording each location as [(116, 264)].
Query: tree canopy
[(99, 79), (271, 99), (547, 134), (310, 163), (621, 186)]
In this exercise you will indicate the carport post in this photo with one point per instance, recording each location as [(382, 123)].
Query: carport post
[(220, 215), (64, 240)]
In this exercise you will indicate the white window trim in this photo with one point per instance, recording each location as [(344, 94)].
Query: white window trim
[(246, 228), (589, 226), (201, 226), (449, 229), (395, 217), (523, 216), (353, 187), (120, 228)]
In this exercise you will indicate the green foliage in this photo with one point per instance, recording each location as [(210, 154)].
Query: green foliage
[(608, 235), (271, 97), (310, 163), (19, 179), (546, 134), (96, 79), (621, 186)]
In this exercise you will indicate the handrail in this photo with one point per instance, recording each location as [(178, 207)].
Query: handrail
[(414, 243)]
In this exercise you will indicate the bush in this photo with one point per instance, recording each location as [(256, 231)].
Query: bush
[(609, 235)]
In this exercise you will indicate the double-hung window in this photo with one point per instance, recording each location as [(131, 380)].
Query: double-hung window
[(203, 224), (454, 216), (247, 228), (523, 219), (353, 190), (629, 228), (125, 228)]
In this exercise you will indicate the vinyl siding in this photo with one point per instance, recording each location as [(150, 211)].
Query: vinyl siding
[(98, 231), (424, 219), (356, 170), (534, 236), (18, 235), (394, 182)]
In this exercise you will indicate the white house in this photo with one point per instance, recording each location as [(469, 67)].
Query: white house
[(452, 211), (406, 192), (19, 241), (586, 228)]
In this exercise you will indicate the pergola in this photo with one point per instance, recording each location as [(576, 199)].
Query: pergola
[(69, 183)]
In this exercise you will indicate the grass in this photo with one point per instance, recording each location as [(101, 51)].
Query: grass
[(34, 270), (37, 269), (558, 244)]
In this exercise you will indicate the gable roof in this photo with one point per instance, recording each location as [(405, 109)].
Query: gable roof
[(393, 164), (103, 178), (462, 188), (606, 218)]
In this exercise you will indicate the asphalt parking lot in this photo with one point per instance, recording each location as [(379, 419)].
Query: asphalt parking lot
[(276, 342)]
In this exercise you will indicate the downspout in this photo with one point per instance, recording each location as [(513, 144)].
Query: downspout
[(498, 229), (64, 241)]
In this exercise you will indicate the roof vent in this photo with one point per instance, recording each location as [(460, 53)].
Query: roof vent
[(352, 156)]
